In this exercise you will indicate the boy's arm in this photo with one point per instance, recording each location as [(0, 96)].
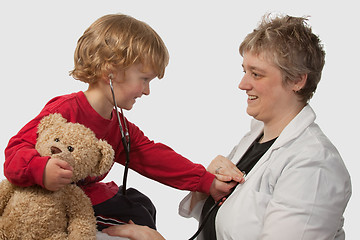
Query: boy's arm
[(164, 165), (23, 165), (161, 163)]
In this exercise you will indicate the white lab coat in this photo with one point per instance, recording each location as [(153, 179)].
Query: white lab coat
[(298, 190)]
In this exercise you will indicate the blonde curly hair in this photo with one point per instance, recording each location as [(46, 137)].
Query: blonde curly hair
[(118, 41)]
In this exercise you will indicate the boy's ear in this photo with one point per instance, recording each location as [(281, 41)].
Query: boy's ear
[(108, 73), (106, 76)]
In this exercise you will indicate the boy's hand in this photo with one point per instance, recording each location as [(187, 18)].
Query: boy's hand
[(57, 174), (220, 189)]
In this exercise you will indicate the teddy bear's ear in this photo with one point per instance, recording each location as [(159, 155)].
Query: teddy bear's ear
[(107, 157), (50, 120)]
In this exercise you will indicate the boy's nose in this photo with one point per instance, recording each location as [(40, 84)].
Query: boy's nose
[(146, 90)]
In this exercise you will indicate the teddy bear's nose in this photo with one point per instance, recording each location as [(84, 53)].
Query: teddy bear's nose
[(55, 150)]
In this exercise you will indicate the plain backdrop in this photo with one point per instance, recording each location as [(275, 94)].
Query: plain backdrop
[(197, 108)]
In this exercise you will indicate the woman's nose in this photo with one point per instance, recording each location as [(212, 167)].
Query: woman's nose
[(243, 83)]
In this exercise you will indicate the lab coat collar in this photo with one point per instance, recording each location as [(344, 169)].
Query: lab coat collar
[(301, 121), (297, 126)]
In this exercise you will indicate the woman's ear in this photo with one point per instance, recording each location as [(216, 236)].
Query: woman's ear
[(300, 83)]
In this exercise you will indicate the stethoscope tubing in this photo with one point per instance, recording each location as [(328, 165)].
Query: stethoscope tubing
[(125, 138)]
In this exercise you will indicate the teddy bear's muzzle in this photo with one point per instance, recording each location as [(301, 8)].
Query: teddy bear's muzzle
[(55, 150)]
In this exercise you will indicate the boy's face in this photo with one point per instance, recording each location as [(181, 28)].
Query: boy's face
[(132, 84)]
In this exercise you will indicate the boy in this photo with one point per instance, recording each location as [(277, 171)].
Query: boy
[(128, 53)]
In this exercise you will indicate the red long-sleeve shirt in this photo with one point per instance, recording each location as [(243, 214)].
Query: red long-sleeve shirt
[(25, 167)]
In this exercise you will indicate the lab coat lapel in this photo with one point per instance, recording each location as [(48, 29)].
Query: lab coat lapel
[(291, 131), (256, 129), (297, 126)]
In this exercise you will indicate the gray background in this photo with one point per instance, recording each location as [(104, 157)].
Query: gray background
[(197, 108)]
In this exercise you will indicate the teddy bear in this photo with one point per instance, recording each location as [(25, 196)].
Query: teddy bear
[(38, 214)]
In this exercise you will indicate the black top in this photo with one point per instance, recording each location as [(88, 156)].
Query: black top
[(246, 163)]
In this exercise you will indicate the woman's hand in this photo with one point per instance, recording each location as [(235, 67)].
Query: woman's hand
[(227, 177), (225, 170), (133, 232)]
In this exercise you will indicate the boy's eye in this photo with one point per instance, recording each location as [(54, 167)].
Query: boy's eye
[(57, 140), (70, 148)]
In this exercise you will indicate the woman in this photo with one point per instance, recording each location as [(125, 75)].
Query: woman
[(297, 186)]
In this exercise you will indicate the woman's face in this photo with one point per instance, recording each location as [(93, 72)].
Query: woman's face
[(269, 100)]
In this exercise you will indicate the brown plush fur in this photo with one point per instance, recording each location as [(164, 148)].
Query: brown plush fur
[(34, 213)]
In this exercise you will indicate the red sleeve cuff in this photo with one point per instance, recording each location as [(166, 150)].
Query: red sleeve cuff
[(37, 168), (205, 182)]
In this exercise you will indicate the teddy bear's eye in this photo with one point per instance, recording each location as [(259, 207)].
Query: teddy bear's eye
[(57, 140), (70, 148)]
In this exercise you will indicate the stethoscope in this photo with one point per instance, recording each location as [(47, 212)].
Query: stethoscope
[(125, 137), (207, 215)]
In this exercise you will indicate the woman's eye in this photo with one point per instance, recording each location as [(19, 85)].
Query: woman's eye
[(57, 140), (256, 75), (70, 148)]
